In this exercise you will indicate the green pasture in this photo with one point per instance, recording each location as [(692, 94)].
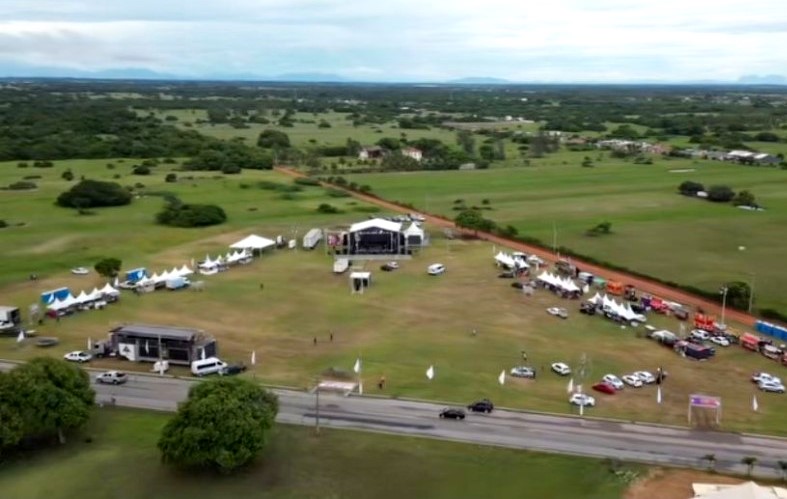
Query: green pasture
[(298, 464), (407, 320), (656, 231)]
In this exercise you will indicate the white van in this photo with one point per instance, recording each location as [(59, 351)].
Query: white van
[(436, 269), (211, 365)]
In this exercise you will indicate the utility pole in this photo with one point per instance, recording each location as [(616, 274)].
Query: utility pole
[(317, 408)]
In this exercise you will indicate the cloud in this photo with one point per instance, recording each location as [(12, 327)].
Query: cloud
[(560, 40)]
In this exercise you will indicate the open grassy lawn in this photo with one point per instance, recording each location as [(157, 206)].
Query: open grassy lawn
[(298, 464), (656, 231), (405, 322)]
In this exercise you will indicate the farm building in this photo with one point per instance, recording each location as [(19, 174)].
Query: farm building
[(373, 152), (412, 152), (140, 343)]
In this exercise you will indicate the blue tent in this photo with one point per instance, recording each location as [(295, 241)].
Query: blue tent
[(49, 297), (135, 275)]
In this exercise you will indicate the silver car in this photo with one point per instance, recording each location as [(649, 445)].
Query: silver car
[(523, 372)]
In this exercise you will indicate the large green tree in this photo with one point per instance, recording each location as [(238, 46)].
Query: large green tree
[(93, 194), (273, 139), (12, 428), (51, 397), (474, 220), (223, 425), (108, 267)]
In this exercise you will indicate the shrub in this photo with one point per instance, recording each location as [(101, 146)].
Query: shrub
[(690, 188), (230, 169), (22, 185), (327, 209), (3, 224), (336, 193), (307, 181), (720, 194), (43, 164), (141, 170), (67, 175), (171, 178), (22, 164), (177, 214), (94, 194), (31, 177)]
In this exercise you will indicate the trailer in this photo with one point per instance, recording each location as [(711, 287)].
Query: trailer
[(312, 238), (177, 283), (341, 265), (10, 320)]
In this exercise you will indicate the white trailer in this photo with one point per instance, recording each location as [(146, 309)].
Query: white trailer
[(312, 238)]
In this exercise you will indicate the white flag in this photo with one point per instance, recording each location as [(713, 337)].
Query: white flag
[(21, 337), (202, 354), (658, 394), (147, 347), (253, 357), (754, 405), (357, 366), (117, 283), (570, 387), (89, 344), (430, 372), (582, 408), (192, 264), (502, 378)]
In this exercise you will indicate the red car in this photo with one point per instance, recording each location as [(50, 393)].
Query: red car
[(604, 388)]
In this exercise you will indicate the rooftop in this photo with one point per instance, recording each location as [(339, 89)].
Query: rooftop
[(155, 332)]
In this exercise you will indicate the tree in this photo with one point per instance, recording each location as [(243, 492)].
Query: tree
[(94, 194), (353, 147), (749, 461), (108, 267), (390, 143), (12, 427), (711, 460), (720, 194), (67, 175), (178, 214), (223, 425), (171, 178), (767, 137), (738, 294), (744, 198), (466, 141), (472, 219), (141, 170), (690, 188), (273, 139), (52, 396)]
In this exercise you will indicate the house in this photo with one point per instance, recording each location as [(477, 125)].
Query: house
[(372, 152), (412, 152)]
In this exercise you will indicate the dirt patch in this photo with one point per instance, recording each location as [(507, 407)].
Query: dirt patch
[(673, 484)]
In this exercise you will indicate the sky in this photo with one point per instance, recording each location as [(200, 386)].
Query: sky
[(400, 40)]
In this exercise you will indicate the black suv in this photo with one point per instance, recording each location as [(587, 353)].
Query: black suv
[(484, 405), (233, 369), (452, 413)]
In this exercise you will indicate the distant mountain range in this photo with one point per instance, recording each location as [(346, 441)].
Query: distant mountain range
[(25, 71)]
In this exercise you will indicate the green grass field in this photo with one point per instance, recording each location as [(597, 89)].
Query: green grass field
[(404, 323), (122, 462), (656, 231)]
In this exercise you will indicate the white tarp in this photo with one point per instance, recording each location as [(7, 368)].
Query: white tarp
[(254, 242)]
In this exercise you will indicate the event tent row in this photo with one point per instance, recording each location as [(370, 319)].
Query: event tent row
[(84, 298), (167, 275), (623, 310), (565, 284), (210, 266)]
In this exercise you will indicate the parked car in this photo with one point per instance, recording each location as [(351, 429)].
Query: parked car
[(613, 380), (722, 341), (435, 269), (771, 386), (632, 380), (387, 268), (605, 388), (233, 369), (449, 413), (699, 334), (508, 274), (561, 368), (582, 399), (518, 285), (765, 377), (484, 405), (645, 377), (523, 372), (558, 312), (78, 356), (587, 308), (112, 378)]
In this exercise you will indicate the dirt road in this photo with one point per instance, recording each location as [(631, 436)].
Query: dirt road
[(642, 285)]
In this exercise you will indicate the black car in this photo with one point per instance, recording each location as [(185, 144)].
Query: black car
[(448, 413), (233, 369), (484, 405), (506, 275), (518, 285)]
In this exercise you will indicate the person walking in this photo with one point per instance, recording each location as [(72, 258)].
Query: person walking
[(315, 341), (524, 355), (331, 337)]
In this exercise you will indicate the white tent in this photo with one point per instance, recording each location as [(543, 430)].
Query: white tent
[(505, 260), (83, 298), (414, 230), (155, 277), (184, 271), (109, 290), (568, 285), (253, 242), (596, 298), (207, 263), (56, 305), (66, 302)]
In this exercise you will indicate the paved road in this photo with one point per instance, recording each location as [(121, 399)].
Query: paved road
[(559, 434), (642, 284)]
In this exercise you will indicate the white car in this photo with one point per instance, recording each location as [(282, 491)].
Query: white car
[(558, 312), (765, 378), (523, 372), (613, 380), (632, 380), (112, 378), (770, 386), (78, 356), (561, 368), (699, 334), (393, 265), (582, 399), (720, 340), (535, 260), (645, 377), (436, 269)]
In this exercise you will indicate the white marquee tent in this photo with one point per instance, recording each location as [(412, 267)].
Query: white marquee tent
[(253, 242)]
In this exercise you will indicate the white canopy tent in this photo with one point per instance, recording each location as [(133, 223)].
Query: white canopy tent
[(254, 243), (184, 271), (505, 260), (414, 230), (109, 290)]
